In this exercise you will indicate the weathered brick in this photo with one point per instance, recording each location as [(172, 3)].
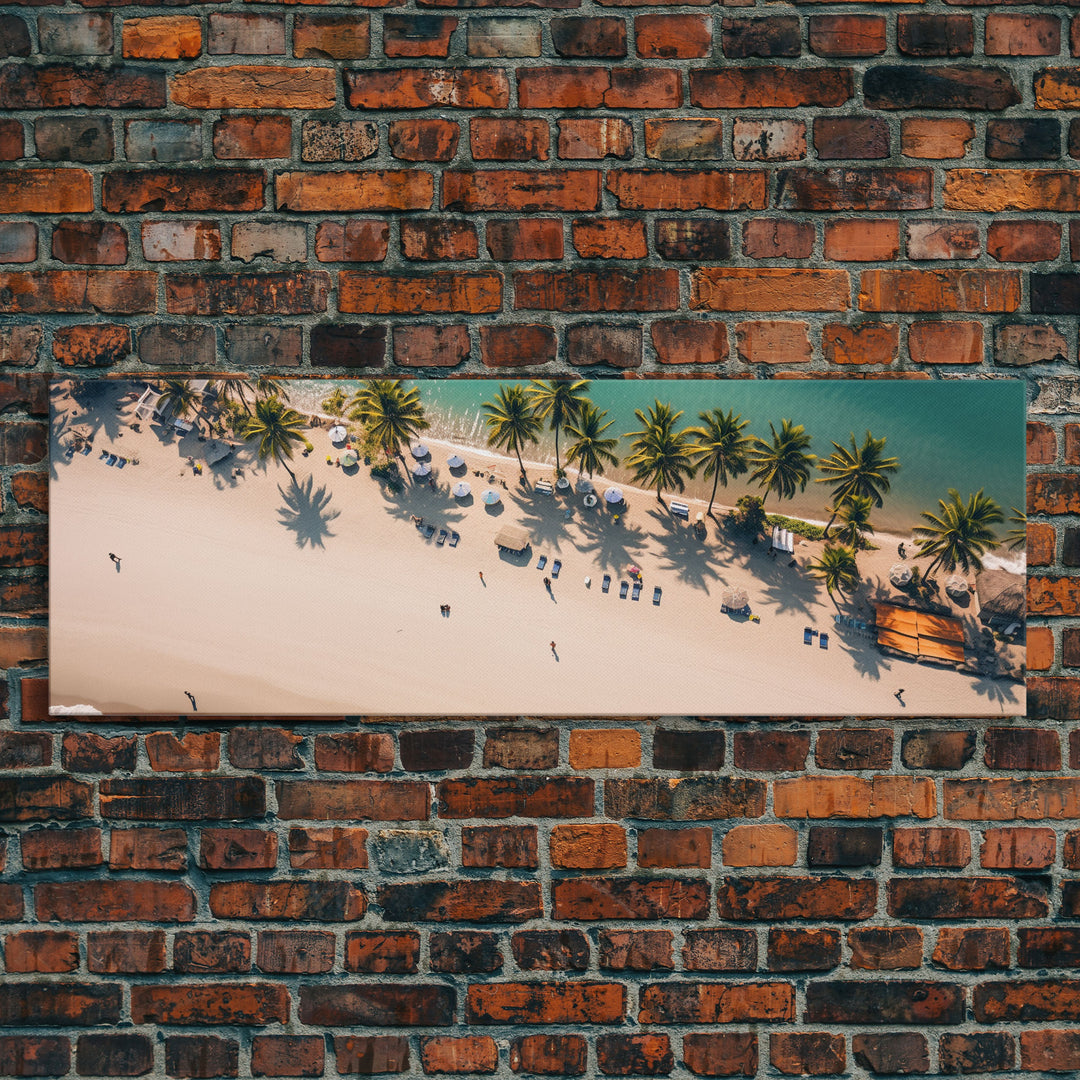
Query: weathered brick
[(582, 37), (549, 1055), (162, 37), (594, 138), (765, 898), (807, 1053), (769, 87), (803, 950), (382, 1004), (56, 849), (983, 1051), (847, 35), (147, 849), (715, 1003)]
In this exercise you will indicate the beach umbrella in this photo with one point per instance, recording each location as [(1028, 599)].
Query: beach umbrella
[(349, 458), (956, 586), (422, 469), (338, 433), (900, 574), (590, 500), (461, 489), (613, 495), (734, 597), (490, 497), (419, 451), (562, 483), (455, 462)]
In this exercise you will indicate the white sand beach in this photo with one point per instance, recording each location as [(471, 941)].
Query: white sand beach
[(262, 597)]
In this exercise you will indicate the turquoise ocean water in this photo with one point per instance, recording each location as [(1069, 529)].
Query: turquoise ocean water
[(967, 434)]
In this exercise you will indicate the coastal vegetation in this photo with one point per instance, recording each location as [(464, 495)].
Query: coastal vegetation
[(664, 454)]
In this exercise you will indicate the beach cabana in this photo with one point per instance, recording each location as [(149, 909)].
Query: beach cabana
[(783, 540), (735, 600), (1002, 598), (920, 634), (512, 538)]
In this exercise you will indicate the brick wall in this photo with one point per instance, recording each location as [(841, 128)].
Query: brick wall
[(736, 190)]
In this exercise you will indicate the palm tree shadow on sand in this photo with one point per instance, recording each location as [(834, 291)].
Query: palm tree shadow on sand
[(684, 553), (305, 512)]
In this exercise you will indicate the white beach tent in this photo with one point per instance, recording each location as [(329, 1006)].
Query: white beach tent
[(783, 539)]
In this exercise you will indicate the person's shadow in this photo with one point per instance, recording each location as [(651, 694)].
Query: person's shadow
[(554, 652)]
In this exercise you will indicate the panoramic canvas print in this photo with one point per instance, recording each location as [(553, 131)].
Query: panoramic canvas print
[(595, 547)]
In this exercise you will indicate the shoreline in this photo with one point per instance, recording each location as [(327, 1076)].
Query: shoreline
[(347, 595)]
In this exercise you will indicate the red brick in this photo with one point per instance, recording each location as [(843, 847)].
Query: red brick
[(550, 950), (851, 137), (672, 848), (521, 748), (978, 291), (87, 752), (61, 849), (931, 847), (693, 798), (466, 900), (635, 950), (195, 752), (598, 343), (610, 238), (507, 845), (34, 1055), (861, 240), (335, 37), (169, 241), (253, 87), (968, 898), (50, 951), (338, 140), (525, 239), (945, 342), (39, 798), (777, 238), (658, 189), (252, 137), (65, 86), (355, 751), (1022, 748), (942, 240), (295, 952), (594, 138), (761, 845), (972, 949), (508, 139), (381, 952), (634, 1055), (589, 847), (18, 242), (877, 189), (25, 749), (325, 901), (807, 1053), (114, 901), (384, 1004), (162, 37), (300, 292), (422, 88), (1009, 189), (885, 948), (734, 1054), (264, 748), (423, 140), (1017, 849), (720, 950), (115, 1054), (505, 190), (596, 87), (804, 950), (126, 951), (431, 346), (115, 292), (768, 87), (596, 290), (419, 35), (983, 1051), (1023, 241), (438, 239), (546, 1003), (464, 951), (847, 35), (854, 748), (682, 341), (1050, 1051), (369, 1054), (769, 289), (436, 291), (629, 898), (355, 240), (148, 849), (867, 343), (1040, 646), (935, 35), (373, 189), (921, 137), (549, 1055), (177, 191), (667, 37), (287, 1055), (773, 342), (517, 344), (884, 1002), (96, 345), (442, 1054), (210, 1003), (202, 951), (238, 849), (583, 37), (795, 898), (715, 1002), (1022, 35)]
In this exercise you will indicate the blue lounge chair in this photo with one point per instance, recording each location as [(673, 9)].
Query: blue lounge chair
[(636, 594), (442, 538), (542, 562), (111, 459), (607, 583), (823, 641), (454, 538), (429, 531), (656, 594), (624, 588), (807, 636), (69, 452), (121, 462), (556, 566)]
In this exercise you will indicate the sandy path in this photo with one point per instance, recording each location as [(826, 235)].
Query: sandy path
[(260, 597)]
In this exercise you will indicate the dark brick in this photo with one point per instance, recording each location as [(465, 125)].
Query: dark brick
[(891, 1054), (853, 846), (890, 86), (116, 1054), (347, 345), (891, 1002), (1023, 140), (775, 36), (1055, 294), (693, 239), (435, 750), (937, 749), (803, 950), (935, 35), (688, 751)]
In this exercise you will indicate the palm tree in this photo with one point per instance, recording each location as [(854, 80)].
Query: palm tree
[(278, 428), (660, 454), (511, 421), (837, 568), (590, 449), (233, 391), (177, 395), (960, 534), (267, 386), (391, 414), (785, 464), (1016, 537), (862, 470), (854, 512), (722, 446), (558, 401)]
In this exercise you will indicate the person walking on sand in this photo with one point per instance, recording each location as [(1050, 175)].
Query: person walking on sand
[(191, 698), (481, 573), (899, 695), (553, 646)]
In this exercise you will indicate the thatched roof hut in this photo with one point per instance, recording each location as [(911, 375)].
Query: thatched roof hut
[(1002, 597)]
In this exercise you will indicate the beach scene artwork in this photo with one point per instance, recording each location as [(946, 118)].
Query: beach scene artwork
[(445, 547)]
